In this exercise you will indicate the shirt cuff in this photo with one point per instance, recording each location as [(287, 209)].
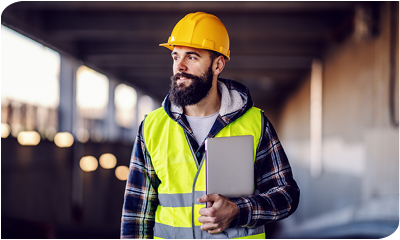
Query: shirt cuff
[(244, 207)]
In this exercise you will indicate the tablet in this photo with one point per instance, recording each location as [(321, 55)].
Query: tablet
[(230, 166)]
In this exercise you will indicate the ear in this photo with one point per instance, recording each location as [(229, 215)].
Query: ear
[(218, 65)]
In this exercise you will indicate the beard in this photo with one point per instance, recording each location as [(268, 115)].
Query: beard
[(197, 90)]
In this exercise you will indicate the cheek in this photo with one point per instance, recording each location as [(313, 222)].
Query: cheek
[(174, 69)]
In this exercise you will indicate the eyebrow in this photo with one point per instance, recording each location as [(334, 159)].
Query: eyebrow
[(187, 53)]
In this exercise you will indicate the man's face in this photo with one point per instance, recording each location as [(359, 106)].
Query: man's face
[(193, 75)]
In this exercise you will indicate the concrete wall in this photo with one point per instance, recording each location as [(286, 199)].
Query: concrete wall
[(360, 141)]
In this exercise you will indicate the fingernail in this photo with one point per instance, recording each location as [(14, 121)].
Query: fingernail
[(199, 199)]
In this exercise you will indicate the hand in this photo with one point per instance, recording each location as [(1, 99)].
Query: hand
[(217, 218)]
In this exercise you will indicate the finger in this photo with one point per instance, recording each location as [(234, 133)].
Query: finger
[(202, 219), (208, 212), (208, 226), (202, 198), (214, 231), (203, 212), (208, 198), (207, 219)]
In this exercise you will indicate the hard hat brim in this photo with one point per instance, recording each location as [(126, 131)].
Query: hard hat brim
[(172, 46)]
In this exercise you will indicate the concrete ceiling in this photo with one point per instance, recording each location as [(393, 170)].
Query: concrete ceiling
[(272, 43)]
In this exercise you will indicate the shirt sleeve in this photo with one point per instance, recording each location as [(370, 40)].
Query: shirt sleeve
[(277, 194), (140, 199)]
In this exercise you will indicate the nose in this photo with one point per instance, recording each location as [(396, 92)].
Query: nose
[(180, 66)]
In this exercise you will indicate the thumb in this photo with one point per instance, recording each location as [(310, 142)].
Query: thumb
[(208, 198)]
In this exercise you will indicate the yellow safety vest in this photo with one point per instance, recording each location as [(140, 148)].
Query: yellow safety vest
[(183, 178)]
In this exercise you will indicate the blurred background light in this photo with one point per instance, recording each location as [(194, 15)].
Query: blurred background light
[(145, 105), (30, 72), (108, 161), (125, 105), (5, 130), (88, 163), (63, 139), (121, 172), (82, 135), (91, 93), (28, 138), (316, 118)]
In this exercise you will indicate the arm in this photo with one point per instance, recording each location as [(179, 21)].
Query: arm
[(140, 200), (278, 194)]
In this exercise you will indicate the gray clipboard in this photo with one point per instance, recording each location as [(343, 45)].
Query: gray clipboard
[(230, 166)]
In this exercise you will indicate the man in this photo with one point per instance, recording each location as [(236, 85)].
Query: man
[(165, 191)]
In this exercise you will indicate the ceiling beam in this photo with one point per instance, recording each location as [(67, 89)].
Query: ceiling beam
[(127, 21), (161, 6)]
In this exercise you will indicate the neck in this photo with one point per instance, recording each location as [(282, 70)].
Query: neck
[(209, 105)]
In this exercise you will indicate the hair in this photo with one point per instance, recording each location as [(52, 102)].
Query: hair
[(214, 55)]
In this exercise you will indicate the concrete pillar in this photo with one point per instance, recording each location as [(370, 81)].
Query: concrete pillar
[(111, 127), (67, 123), (67, 106)]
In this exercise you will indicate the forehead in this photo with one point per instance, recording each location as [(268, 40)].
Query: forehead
[(187, 50)]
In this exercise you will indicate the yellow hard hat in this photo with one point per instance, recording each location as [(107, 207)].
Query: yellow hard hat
[(200, 30)]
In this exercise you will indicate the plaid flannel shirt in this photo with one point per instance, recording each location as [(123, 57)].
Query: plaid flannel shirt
[(277, 193)]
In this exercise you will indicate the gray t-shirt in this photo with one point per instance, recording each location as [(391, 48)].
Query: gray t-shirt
[(201, 126)]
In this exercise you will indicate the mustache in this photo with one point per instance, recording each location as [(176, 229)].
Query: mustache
[(183, 74)]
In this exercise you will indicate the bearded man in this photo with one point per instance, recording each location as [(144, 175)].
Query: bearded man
[(165, 191)]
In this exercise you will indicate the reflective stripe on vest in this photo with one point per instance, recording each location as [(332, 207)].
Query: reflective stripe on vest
[(182, 233), (178, 200), (182, 178)]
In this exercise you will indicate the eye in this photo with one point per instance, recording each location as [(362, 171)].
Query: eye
[(191, 57)]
